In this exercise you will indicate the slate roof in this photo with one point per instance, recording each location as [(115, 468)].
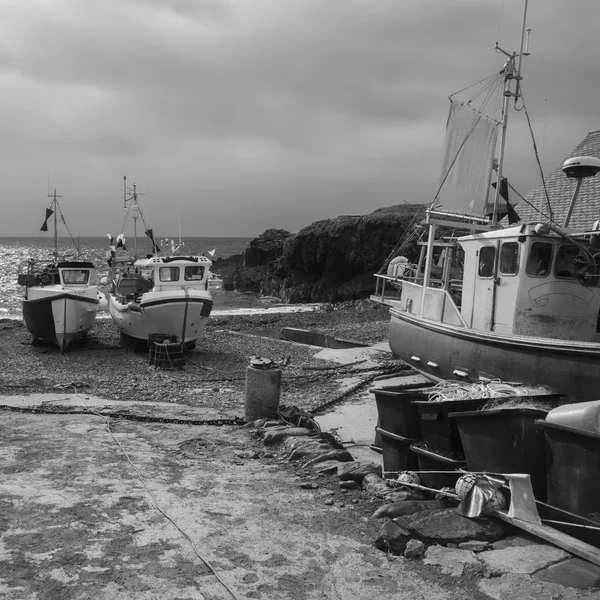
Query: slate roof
[(560, 191)]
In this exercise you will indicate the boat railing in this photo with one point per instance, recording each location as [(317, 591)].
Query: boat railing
[(388, 291), (389, 287)]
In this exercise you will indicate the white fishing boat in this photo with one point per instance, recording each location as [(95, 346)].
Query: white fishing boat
[(489, 298), (157, 297), (60, 303)]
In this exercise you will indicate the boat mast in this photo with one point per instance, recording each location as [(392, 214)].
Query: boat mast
[(510, 73), (54, 197), (136, 209)]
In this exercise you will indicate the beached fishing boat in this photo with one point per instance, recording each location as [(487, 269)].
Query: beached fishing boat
[(156, 297), (491, 297), (60, 303)]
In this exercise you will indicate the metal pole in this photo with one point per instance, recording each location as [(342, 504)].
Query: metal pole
[(509, 68), (55, 228), (428, 261), (509, 75), (523, 31), (572, 205)]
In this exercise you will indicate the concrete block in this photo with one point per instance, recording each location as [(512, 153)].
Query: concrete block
[(522, 559), (523, 587), (574, 572), (515, 540), (452, 561)]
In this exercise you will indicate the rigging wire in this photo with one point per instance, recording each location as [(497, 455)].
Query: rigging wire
[(64, 222), (490, 86), (155, 502), (537, 158), (125, 220), (404, 240), (62, 217), (485, 79)]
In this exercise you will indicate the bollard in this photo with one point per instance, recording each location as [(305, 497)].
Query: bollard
[(263, 384)]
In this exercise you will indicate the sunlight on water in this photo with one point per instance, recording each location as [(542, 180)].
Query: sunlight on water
[(14, 251)]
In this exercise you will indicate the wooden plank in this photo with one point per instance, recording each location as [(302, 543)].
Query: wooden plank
[(558, 538)]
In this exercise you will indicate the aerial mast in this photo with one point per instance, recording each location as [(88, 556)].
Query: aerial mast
[(512, 70), (54, 197), (136, 209)]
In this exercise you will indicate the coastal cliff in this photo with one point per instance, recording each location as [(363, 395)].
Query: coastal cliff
[(332, 260)]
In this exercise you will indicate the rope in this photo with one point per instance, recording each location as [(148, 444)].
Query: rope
[(452, 390), (126, 416), (157, 506), (337, 399), (537, 158)]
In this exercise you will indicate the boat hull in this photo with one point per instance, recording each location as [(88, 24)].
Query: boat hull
[(60, 316), (180, 314), (443, 352)]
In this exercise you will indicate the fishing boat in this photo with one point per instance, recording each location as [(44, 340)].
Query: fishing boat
[(60, 303), (156, 297), (489, 296)]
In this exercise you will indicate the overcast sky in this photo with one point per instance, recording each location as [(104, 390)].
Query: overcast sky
[(250, 114)]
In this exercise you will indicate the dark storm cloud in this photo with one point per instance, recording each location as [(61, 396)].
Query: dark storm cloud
[(304, 108)]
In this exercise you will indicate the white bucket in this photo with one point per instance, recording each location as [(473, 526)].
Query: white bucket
[(583, 415)]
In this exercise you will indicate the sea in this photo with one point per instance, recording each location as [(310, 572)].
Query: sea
[(15, 251)]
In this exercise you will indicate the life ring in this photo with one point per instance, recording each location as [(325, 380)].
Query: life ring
[(397, 266)]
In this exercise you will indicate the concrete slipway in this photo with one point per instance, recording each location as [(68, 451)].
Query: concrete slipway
[(99, 508)]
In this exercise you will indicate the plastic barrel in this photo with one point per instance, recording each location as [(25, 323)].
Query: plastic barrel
[(263, 387), (583, 415)]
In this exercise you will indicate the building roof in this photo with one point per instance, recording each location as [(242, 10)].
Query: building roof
[(560, 191)]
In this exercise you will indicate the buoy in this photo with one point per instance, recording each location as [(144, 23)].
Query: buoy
[(464, 484)]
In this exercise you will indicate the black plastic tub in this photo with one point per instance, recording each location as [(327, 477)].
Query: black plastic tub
[(437, 429), (505, 440), (432, 461), (395, 410), (396, 452), (573, 468), (442, 432)]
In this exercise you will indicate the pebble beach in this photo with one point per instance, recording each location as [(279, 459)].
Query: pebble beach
[(214, 372)]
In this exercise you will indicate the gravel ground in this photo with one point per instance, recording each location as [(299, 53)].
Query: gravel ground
[(214, 373)]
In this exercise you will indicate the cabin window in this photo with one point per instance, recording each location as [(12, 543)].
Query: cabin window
[(168, 274), (565, 260), (540, 259), (509, 258), (487, 256), (194, 273), (75, 276)]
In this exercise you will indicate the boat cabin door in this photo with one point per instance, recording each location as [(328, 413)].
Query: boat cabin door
[(485, 287), (506, 282), (496, 286)]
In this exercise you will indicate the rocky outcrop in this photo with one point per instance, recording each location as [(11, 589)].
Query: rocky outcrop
[(266, 248), (329, 261)]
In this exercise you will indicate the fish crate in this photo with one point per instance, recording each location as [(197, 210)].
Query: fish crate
[(437, 428), (573, 463), (167, 355), (395, 411), (396, 452), (505, 440), (433, 467)]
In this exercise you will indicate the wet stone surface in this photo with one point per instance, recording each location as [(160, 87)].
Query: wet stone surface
[(446, 526)]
